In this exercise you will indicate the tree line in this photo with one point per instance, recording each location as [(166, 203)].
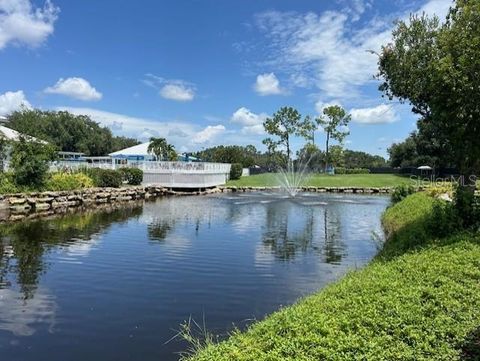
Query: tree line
[(68, 132)]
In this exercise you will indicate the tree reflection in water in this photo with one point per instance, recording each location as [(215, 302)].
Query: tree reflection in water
[(23, 245), (291, 228)]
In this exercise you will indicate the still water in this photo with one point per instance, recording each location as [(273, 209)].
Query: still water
[(117, 285)]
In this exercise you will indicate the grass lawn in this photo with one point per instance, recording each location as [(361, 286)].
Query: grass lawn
[(419, 299), (321, 180)]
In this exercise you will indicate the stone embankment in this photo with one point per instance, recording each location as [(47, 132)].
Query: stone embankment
[(20, 206), (356, 190)]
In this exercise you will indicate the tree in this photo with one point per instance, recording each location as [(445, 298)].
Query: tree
[(30, 162), (435, 67), (334, 121), (68, 132), (171, 153), (284, 124), (158, 147), (311, 156)]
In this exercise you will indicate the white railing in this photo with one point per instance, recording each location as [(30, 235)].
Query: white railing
[(166, 174)]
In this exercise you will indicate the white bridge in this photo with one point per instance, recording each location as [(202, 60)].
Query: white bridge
[(176, 175)]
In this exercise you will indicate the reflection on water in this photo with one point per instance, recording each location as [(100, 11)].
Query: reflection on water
[(113, 285)]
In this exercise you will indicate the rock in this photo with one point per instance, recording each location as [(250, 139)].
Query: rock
[(17, 201)]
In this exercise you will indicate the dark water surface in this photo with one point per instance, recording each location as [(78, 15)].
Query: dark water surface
[(117, 285)]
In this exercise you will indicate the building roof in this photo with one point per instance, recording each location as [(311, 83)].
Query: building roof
[(11, 134), (136, 150)]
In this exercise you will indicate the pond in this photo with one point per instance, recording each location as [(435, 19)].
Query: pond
[(117, 285)]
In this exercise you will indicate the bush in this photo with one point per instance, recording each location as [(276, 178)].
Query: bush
[(341, 170), (402, 191), (132, 176), (105, 177), (68, 181), (6, 183), (439, 189), (444, 219), (236, 171), (30, 162), (467, 206)]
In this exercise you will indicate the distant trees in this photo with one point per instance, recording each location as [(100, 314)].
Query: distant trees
[(162, 149), (68, 132), (283, 125), (334, 122)]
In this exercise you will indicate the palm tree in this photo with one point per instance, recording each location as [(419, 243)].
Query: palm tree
[(171, 152), (158, 147)]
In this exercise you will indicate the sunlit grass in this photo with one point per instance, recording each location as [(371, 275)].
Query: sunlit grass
[(321, 180)]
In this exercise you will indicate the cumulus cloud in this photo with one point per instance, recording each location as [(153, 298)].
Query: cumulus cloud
[(172, 89), (268, 84), (178, 92), (380, 114), (208, 134), (185, 136), (22, 23), (252, 123), (12, 101), (77, 88), (325, 50)]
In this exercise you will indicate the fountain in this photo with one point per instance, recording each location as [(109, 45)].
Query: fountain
[(291, 180)]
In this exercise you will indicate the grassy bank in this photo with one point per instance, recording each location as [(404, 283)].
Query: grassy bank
[(321, 180), (418, 300)]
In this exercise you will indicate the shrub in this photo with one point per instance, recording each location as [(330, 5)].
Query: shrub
[(68, 181), (30, 162), (439, 189), (467, 206), (6, 183), (402, 191), (105, 177), (132, 176), (236, 171), (444, 219)]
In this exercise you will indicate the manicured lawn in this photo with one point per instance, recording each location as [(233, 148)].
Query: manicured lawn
[(419, 299), (320, 180)]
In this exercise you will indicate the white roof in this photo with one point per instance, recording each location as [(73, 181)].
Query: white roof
[(11, 134), (139, 149), (424, 167)]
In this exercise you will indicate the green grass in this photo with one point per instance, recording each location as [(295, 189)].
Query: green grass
[(417, 300), (321, 180)]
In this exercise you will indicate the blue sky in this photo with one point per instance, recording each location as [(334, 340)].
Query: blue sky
[(204, 72)]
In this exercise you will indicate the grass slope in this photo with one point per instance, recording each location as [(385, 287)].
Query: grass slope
[(418, 300), (321, 180)]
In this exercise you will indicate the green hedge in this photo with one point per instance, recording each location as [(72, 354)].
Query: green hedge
[(236, 171), (132, 176), (341, 170), (68, 181), (418, 300), (105, 177)]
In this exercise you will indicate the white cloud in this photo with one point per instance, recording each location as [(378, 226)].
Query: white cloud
[(185, 136), (140, 128), (172, 89), (320, 105), (244, 116), (208, 134), (178, 92), (257, 129), (380, 114), (268, 84), (77, 88), (23, 23), (12, 101), (252, 123), (326, 50)]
